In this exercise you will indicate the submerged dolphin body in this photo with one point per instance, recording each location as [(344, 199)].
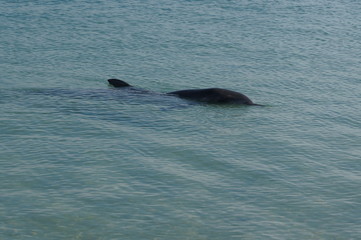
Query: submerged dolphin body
[(208, 95)]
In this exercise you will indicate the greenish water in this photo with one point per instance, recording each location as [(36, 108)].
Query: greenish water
[(81, 160)]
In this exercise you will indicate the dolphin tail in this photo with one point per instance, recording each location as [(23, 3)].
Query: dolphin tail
[(118, 83)]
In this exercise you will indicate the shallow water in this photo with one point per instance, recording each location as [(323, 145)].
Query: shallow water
[(81, 160)]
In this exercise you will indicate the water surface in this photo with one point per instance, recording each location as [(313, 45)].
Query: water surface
[(80, 160)]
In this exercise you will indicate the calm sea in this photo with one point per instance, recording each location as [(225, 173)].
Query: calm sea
[(80, 160)]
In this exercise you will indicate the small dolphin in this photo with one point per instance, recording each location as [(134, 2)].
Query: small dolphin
[(208, 95)]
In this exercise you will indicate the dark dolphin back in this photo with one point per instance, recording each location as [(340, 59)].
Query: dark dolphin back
[(208, 95), (118, 83), (214, 95)]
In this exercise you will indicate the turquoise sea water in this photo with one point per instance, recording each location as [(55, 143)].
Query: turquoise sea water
[(80, 160)]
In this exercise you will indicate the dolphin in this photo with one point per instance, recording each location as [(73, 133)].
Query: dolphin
[(207, 95)]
